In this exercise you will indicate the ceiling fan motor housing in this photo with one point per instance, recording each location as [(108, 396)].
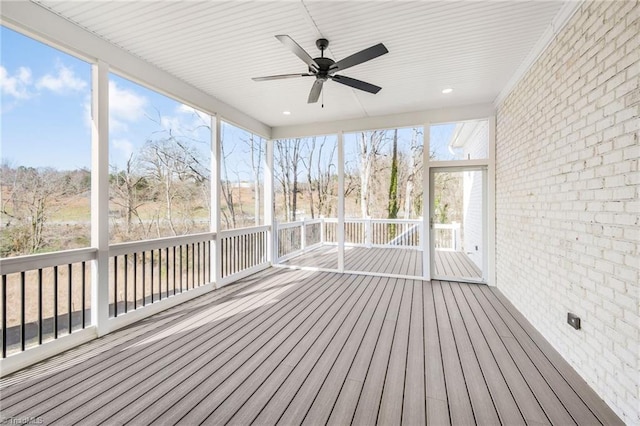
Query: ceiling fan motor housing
[(324, 65)]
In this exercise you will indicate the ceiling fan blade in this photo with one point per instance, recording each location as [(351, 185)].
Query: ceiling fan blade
[(315, 91), (356, 84), (298, 51), (280, 77), (360, 57)]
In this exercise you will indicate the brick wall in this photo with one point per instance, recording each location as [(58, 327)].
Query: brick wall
[(567, 208)]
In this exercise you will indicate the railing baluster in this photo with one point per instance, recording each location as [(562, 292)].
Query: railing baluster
[(135, 281), (181, 270), (69, 297), (4, 316), (199, 282), (159, 274), (84, 284), (126, 279), (166, 268), (23, 308), (187, 266), (40, 306), (193, 264), (55, 302), (152, 253), (115, 286), (144, 278), (174, 270)]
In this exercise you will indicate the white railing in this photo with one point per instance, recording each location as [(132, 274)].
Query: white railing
[(44, 297), (293, 238), (243, 251), (148, 271), (397, 233), (47, 296), (447, 236)]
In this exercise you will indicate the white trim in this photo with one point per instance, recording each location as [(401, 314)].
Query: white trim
[(459, 163), (269, 199), (553, 29), (440, 115), (216, 192), (51, 28), (491, 206), (158, 243), (13, 265), (100, 195), (340, 226), (31, 356), (243, 231)]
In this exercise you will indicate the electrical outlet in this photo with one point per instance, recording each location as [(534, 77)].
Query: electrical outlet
[(573, 320)]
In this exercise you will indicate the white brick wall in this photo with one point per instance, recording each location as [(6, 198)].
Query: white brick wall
[(567, 209)]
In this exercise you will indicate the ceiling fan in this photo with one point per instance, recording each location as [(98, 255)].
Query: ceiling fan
[(325, 68)]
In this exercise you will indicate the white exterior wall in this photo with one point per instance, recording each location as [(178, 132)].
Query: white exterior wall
[(567, 209), (476, 147)]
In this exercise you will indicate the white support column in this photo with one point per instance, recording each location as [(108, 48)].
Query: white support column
[(216, 164), (303, 235), (367, 233), (340, 226), (100, 196), (490, 209), (426, 206), (268, 201)]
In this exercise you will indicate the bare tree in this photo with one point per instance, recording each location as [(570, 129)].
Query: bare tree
[(126, 192), (287, 159), (412, 201), (170, 165), (370, 144), (32, 196)]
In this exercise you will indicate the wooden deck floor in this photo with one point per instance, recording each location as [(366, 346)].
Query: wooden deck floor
[(299, 347), (400, 261), (455, 264)]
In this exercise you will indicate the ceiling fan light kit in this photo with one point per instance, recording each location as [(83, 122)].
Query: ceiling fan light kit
[(324, 69)]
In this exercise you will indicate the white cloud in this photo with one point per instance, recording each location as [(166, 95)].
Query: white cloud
[(63, 82), (124, 146), (124, 106), (186, 109), (16, 86)]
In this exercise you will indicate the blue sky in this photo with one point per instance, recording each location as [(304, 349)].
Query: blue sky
[(45, 110)]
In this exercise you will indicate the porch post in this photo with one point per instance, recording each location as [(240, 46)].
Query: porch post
[(100, 196), (268, 200), (216, 164), (426, 206), (340, 227), (490, 208)]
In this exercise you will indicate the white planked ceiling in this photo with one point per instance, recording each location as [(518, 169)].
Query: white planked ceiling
[(474, 47)]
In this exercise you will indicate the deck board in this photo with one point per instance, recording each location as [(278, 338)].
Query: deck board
[(385, 260), (295, 347)]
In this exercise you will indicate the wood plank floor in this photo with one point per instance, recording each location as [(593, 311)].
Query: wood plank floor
[(392, 261), (455, 264), (298, 347)]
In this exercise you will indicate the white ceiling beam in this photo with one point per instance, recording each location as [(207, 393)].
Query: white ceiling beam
[(440, 115), (46, 26)]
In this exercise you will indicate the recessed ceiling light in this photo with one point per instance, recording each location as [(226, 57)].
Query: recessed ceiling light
[(286, 112), (447, 90)]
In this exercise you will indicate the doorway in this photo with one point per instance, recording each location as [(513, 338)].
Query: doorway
[(458, 205)]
